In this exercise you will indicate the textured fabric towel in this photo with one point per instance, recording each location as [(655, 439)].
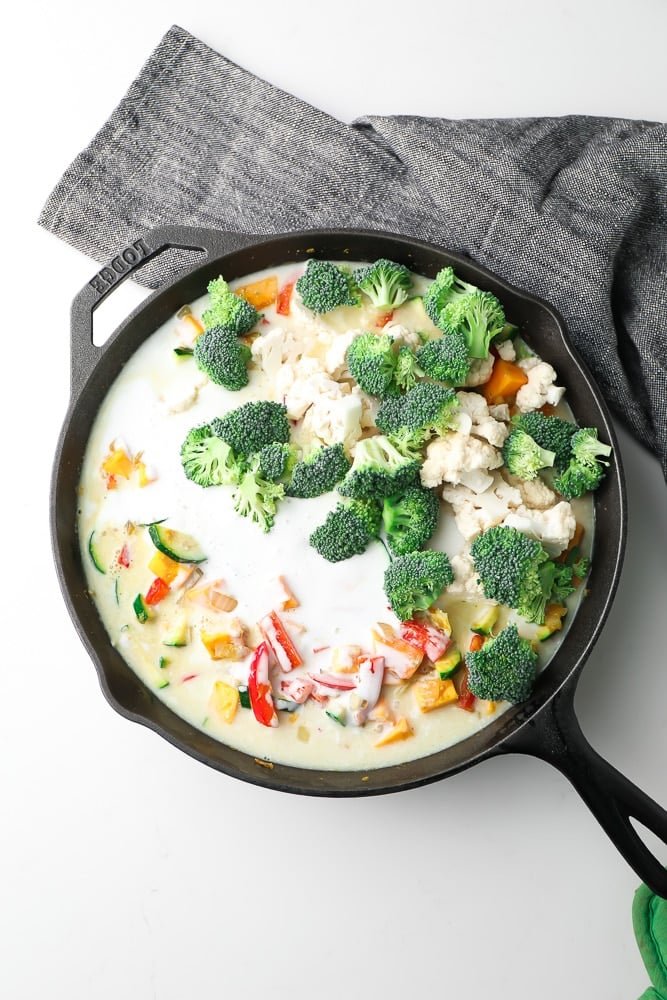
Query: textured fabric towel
[(649, 921), (573, 209)]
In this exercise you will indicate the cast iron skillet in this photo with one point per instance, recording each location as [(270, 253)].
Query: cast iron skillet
[(545, 725)]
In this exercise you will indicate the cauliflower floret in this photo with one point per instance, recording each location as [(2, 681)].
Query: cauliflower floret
[(335, 418), (465, 576), (335, 358), (310, 323), (474, 404), (182, 395), (276, 348), (539, 389), (500, 411), (369, 407), (401, 336), (534, 492), (553, 527), (449, 458), (474, 513), (506, 350), (492, 431), (480, 370), (301, 384), (474, 417), (472, 521)]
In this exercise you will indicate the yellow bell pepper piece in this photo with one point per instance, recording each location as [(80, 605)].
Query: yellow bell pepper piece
[(224, 701), (222, 646), (164, 567), (432, 692), (401, 731), (117, 463), (260, 293)]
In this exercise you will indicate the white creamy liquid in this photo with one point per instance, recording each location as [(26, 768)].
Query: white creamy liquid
[(339, 603)]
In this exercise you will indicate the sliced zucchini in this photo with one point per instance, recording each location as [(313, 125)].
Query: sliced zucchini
[(521, 349), (183, 352), (94, 554), (485, 621), (142, 610), (177, 633), (177, 545), (449, 663), (553, 621), (337, 713)]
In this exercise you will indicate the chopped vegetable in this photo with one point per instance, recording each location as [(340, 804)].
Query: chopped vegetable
[(280, 643), (505, 381), (401, 731), (176, 545), (261, 293), (224, 701), (259, 687), (157, 591), (432, 693), (284, 298)]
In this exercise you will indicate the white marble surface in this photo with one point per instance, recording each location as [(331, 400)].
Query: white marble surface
[(126, 868)]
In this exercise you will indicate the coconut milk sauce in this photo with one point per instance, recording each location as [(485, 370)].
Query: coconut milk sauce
[(339, 603)]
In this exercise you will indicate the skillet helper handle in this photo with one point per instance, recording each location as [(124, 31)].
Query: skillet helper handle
[(556, 737), (211, 242)]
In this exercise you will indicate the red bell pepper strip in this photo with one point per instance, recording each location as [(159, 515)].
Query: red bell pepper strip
[(281, 645), (284, 298), (428, 639), (297, 689), (259, 687), (124, 557), (466, 697), (157, 591), (336, 682)]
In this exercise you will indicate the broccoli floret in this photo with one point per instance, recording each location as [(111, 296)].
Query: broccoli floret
[(319, 472), (410, 519), (523, 456), (372, 363), (253, 425), (369, 513), (444, 288), (587, 466), (587, 449), (276, 461), (479, 316), (208, 460), (220, 354), (386, 283), (550, 433), (446, 358), (563, 584), (410, 420), (515, 570), (256, 497), (347, 530), (379, 470), (407, 369), (414, 581), (228, 310), (504, 668), (578, 479), (324, 286)]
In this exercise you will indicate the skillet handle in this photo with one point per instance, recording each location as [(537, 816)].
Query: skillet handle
[(556, 737), (211, 242)]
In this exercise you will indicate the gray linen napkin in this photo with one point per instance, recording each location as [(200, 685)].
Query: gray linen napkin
[(573, 209)]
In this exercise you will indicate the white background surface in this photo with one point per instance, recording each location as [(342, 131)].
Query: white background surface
[(126, 868)]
